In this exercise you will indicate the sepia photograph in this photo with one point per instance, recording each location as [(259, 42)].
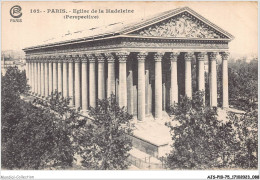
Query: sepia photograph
[(143, 86)]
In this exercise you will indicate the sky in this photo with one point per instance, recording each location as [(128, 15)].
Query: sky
[(237, 18)]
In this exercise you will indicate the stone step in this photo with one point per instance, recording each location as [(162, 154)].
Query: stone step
[(152, 136), (145, 161)]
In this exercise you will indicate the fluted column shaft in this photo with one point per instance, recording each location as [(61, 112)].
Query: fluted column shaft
[(33, 75), (71, 82), (213, 79), (30, 74), (101, 76), (188, 82), (110, 75), (141, 85), (225, 103), (55, 76), (42, 78), (27, 71), (77, 82), (46, 74), (174, 78), (50, 77), (65, 79), (158, 85), (122, 95), (84, 83), (200, 76), (92, 81), (60, 81), (39, 78)]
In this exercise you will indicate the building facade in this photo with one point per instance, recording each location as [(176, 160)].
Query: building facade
[(147, 65)]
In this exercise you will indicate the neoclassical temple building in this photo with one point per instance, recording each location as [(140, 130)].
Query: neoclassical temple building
[(147, 65)]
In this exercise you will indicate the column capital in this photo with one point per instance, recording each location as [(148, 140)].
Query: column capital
[(45, 59), (76, 58), (188, 56), (224, 55), (83, 58), (59, 59), (158, 56), (38, 58), (110, 57), (174, 56), (100, 58), (27, 58), (53, 59), (200, 56), (91, 58), (212, 56), (122, 56), (141, 56), (69, 58)]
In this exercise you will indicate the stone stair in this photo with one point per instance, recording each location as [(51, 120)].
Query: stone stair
[(144, 161)]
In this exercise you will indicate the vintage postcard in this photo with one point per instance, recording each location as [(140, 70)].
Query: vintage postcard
[(131, 86)]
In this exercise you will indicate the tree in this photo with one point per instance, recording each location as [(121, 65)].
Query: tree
[(103, 142), (13, 84), (246, 127), (243, 84), (36, 135), (200, 140)]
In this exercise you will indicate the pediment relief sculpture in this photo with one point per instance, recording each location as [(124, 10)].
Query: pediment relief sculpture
[(181, 27)]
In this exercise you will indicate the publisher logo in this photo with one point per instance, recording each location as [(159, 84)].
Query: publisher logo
[(16, 11)]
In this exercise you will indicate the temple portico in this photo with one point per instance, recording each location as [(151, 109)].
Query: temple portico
[(147, 66), (88, 77)]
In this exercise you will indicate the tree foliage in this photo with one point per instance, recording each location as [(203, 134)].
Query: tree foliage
[(246, 128), (41, 137), (200, 140), (242, 83), (48, 133), (104, 143)]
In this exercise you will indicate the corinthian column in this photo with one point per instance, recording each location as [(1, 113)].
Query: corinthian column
[(158, 85), (213, 79), (188, 83), (30, 73), (27, 70), (50, 76), (200, 76), (141, 85), (71, 81), (84, 83), (42, 78), (39, 77), (101, 76), (77, 82), (174, 78), (55, 75), (46, 75), (33, 75), (65, 78), (92, 81), (60, 81), (225, 103), (122, 95), (110, 74)]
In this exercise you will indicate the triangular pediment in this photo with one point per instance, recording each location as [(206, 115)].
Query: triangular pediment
[(185, 24)]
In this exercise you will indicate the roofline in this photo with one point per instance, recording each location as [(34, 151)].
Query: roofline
[(131, 29), (174, 13)]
